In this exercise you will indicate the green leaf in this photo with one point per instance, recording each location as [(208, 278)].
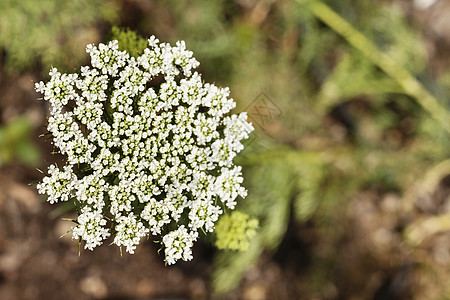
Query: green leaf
[(309, 184)]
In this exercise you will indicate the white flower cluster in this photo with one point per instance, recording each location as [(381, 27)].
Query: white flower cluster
[(149, 147)]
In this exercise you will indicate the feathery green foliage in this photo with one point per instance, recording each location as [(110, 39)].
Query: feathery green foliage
[(385, 126), (50, 31)]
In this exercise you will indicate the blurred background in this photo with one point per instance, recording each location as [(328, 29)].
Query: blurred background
[(348, 170)]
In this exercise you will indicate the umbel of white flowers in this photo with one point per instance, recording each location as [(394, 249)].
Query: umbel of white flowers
[(149, 147)]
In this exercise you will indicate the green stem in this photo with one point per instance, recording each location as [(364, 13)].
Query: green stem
[(408, 82)]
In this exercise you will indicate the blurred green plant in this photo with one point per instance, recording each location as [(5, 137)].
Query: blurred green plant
[(276, 179), (50, 31), (349, 65), (393, 60), (16, 144)]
